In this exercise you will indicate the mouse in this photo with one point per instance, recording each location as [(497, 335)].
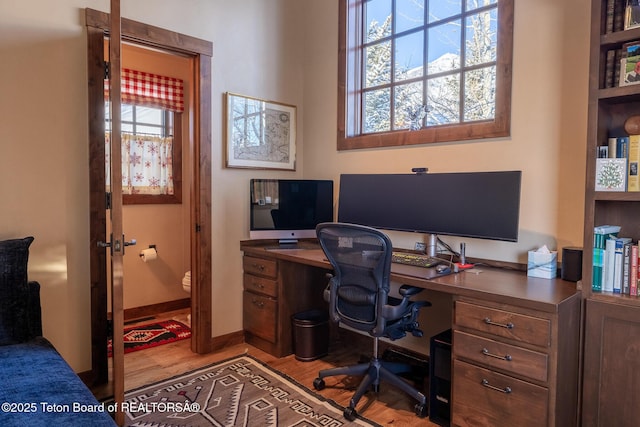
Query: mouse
[(442, 268)]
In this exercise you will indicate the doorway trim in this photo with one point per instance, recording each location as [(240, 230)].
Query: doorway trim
[(200, 51)]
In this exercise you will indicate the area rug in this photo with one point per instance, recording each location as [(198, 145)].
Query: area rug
[(241, 391), (151, 335)]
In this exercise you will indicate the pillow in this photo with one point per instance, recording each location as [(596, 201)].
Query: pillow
[(14, 256)]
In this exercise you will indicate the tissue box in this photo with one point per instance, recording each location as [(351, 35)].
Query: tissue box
[(543, 265)]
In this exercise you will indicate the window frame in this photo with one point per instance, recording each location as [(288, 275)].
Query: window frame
[(349, 117)]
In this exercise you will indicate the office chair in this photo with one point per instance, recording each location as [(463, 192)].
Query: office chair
[(358, 296)]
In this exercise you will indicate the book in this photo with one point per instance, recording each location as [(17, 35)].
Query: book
[(600, 235), (633, 179), (635, 272), (608, 265), (611, 174), (618, 264), (626, 268), (612, 144), (608, 28)]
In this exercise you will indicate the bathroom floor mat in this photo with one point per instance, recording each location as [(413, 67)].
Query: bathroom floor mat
[(153, 334)]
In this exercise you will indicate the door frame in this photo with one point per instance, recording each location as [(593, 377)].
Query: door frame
[(201, 51)]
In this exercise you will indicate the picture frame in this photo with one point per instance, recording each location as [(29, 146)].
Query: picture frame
[(611, 174), (630, 64), (260, 134), (632, 14)]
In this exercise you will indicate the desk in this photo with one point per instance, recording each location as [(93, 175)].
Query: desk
[(515, 338)]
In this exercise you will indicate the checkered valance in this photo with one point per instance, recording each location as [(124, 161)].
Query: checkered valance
[(150, 90)]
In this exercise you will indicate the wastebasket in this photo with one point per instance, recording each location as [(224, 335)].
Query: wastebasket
[(310, 334)]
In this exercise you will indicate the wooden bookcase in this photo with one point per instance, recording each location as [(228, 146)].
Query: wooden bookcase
[(611, 365)]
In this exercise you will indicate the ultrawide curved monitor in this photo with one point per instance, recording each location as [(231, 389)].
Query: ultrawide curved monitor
[(484, 205)]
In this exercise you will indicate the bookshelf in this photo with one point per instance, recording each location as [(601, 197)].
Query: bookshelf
[(612, 321)]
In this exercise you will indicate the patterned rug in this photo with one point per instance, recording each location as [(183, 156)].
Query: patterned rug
[(241, 391), (152, 334)]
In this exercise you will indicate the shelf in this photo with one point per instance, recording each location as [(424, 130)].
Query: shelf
[(622, 196), (620, 94), (619, 37), (615, 298)]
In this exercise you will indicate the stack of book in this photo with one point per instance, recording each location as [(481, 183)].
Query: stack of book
[(617, 164), (615, 262)]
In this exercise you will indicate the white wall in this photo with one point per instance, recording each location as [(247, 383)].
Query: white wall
[(282, 50)]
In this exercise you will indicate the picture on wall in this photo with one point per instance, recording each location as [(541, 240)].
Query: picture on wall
[(260, 134)]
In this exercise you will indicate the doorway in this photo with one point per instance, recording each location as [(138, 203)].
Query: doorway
[(200, 52)]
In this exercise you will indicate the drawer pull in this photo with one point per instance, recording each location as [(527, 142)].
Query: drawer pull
[(486, 384), (259, 304), (258, 266), (488, 321), (506, 357), (258, 285)]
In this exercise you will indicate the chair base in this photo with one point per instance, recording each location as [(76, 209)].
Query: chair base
[(374, 372)]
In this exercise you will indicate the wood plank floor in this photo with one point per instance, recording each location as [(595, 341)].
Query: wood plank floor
[(389, 407)]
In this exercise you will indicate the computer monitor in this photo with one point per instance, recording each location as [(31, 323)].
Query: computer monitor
[(484, 205), (289, 209)]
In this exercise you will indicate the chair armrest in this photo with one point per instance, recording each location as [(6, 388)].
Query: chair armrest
[(408, 291)]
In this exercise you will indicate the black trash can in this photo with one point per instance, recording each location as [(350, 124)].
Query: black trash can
[(310, 334)]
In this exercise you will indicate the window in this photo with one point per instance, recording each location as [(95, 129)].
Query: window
[(151, 125), (151, 154), (423, 71)]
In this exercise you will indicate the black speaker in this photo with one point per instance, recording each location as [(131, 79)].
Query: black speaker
[(571, 264), (440, 378)]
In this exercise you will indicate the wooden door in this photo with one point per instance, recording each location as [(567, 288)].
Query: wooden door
[(611, 365)]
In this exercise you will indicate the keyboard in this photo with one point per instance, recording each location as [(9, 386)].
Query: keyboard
[(418, 260)]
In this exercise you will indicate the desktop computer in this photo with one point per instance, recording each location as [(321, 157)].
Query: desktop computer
[(440, 378)]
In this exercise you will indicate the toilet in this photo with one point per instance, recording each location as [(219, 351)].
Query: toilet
[(186, 285)]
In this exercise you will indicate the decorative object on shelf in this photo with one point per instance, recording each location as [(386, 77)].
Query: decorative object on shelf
[(260, 134), (611, 174), (632, 125), (632, 14), (630, 64)]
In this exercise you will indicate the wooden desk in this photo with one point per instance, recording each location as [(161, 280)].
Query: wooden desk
[(515, 338)]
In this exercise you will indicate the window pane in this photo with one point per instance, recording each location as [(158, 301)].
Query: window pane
[(149, 115), (409, 106), (482, 36), (377, 111), (480, 94), (443, 9), (154, 130), (378, 64), (444, 47), (126, 127), (443, 100), (377, 19), (474, 4), (126, 112), (409, 14), (409, 57)]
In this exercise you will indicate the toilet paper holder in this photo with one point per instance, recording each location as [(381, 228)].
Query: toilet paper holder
[(141, 254)]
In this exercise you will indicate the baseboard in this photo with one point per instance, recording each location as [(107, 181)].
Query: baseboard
[(155, 309), (227, 340)]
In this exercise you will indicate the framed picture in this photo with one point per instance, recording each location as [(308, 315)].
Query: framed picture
[(260, 134), (630, 64), (632, 14), (611, 174)]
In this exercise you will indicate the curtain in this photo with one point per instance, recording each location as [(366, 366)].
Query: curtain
[(150, 90), (146, 164)]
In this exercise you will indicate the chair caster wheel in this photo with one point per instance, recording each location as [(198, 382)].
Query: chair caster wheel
[(318, 384), (350, 414), (420, 410)]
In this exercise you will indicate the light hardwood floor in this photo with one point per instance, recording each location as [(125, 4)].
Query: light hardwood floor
[(388, 407)]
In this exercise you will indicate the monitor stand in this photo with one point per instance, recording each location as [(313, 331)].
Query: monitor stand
[(285, 244), (432, 245)]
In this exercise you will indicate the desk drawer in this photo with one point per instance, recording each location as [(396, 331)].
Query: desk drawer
[(485, 398), (515, 326), (260, 315), (260, 284), (260, 266), (517, 360)]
